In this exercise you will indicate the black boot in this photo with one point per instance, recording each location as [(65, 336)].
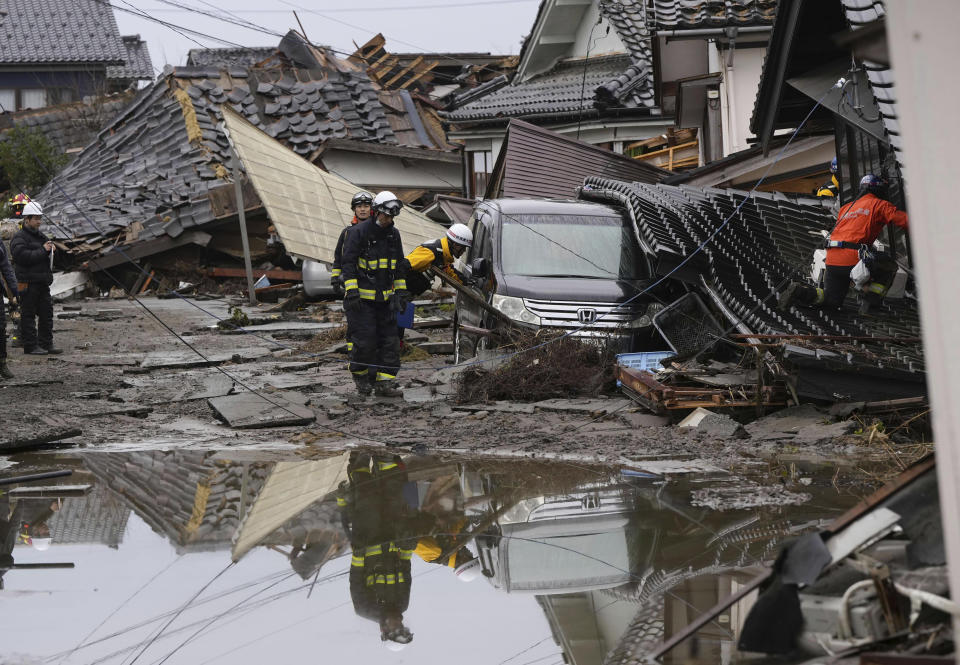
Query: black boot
[(363, 385), (798, 293), (387, 389), (5, 370)]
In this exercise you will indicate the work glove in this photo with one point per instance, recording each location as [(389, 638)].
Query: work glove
[(337, 285), (399, 301), (351, 301), (14, 303)]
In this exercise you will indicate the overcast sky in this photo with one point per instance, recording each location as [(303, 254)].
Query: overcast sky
[(494, 26)]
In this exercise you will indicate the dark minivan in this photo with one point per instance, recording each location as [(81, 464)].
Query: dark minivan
[(548, 263)]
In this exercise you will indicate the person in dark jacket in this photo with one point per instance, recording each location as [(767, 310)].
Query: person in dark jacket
[(6, 271), (360, 204), (374, 291), (32, 254)]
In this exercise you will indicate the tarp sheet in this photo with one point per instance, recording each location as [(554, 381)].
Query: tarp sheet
[(307, 205)]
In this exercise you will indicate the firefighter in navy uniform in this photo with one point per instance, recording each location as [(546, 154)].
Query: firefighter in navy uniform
[(32, 254), (859, 224), (360, 204), (383, 531), (374, 291)]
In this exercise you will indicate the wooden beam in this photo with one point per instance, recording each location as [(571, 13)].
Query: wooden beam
[(148, 248), (286, 275)]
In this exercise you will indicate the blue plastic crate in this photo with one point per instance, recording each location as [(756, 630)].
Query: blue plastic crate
[(648, 360)]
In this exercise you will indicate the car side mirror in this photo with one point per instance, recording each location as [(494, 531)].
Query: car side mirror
[(479, 268)]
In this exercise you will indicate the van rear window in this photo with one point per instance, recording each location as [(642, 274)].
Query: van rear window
[(589, 247)]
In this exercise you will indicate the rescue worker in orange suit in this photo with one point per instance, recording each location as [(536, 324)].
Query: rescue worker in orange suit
[(374, 291), (831, 188), (360, 204), (383, 531), (859, 224)]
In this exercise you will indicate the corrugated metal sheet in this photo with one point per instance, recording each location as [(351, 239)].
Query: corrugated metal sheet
[(291, 488), (535, 162), (307, 205)]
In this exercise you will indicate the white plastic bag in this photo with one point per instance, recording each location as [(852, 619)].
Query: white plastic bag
[(860, 274)]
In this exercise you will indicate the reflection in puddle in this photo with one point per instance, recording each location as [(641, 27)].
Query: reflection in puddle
[(202, 557)]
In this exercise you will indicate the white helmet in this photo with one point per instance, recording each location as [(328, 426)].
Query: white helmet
[(32, 208), (41, 544), (469, 571), (387, 202), (460, 234), (394, 646)]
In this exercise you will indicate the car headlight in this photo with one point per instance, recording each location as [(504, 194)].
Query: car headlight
[(514, 309)]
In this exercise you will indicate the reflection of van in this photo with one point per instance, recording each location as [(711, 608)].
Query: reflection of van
[(565, 543), (556, 263)]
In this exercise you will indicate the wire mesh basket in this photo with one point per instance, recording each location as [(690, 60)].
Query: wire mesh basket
[(687, 325)]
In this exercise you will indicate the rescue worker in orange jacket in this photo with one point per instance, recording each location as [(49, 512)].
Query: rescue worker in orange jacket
[(859, 224)]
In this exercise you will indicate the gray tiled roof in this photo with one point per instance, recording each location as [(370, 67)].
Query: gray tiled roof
[(66, 31), (680, 14), (97, 517), (138, 65), (229, 57), (859, 13), (69, 126), (569, 89), (145, 167), (627, 19)]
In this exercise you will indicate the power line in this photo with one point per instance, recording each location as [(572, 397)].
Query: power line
[(383, 8)]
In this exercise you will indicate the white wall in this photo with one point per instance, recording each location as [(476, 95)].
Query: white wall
[(738, 92), (924, 49), (605, 40)]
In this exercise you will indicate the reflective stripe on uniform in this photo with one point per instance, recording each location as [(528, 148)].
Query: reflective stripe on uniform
[(406, 554), (383, 376), (876, 287), (374, 550), (399, 285), (360, 372), (350, 284), (336, 272), (341, 501), (385, 466), (356, 561), (349, 346)]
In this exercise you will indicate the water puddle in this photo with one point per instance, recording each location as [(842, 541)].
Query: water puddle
[(238, 557)]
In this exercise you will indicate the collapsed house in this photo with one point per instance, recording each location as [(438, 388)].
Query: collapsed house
[(159, 176)]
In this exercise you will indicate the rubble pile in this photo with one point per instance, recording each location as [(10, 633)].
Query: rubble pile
[(564, 367)]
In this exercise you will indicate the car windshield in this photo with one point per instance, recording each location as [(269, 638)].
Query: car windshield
[(570, 246)]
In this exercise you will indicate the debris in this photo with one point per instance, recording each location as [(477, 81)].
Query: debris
[(249, 410), (42, 432), (50, 490), (679, 392), (437, 348), (68, 284), (563, 368), (35, 476), (165, 359), (595, 407), (714, 424)]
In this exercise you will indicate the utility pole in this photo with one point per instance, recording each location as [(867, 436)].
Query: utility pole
[(241, 214)]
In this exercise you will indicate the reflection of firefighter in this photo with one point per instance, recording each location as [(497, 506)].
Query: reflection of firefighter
[(383, 534), (858, 225), (16, 205)]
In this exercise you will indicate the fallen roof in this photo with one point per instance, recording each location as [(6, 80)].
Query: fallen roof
[(70, 126), (536, 162), (137, 65), (157, 161), (768, 242), (224, 58), (64, 31), (568, 90), (308, 206)]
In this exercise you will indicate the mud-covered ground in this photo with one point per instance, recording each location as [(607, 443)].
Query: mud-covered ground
[(111, 385)]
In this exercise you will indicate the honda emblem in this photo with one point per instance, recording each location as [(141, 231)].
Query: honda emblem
[(586, 315)]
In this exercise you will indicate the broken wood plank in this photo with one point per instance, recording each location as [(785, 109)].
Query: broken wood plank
[(148, 248), (287, 275), (251, 410), (50, 490)]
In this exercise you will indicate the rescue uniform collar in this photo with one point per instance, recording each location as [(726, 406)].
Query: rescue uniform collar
[(447, 254)]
